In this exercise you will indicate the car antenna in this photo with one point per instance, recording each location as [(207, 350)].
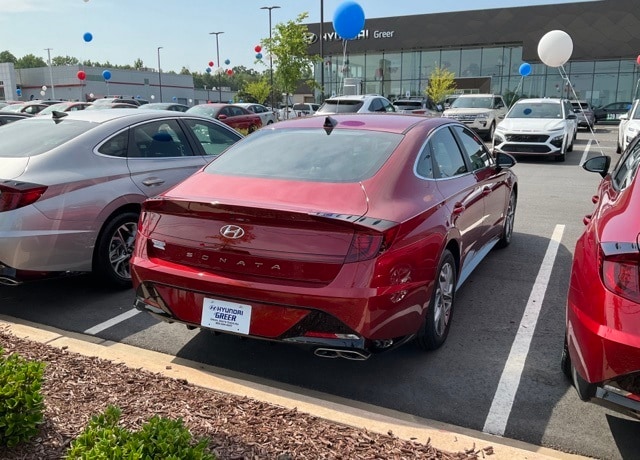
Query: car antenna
[(329, 124), (58, 116)]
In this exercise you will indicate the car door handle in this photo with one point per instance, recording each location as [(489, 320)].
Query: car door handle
[(486, 190), (595, 199), (152, 181), (458, 208)]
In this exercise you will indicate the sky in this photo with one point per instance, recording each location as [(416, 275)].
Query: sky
[(126, 30)]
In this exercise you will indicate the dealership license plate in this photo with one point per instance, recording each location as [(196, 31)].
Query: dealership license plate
[(226, 316)]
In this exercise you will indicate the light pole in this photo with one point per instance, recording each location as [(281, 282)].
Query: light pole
[(322, 51), (270, 53), (53, 90), (219, 68), (159, 73)]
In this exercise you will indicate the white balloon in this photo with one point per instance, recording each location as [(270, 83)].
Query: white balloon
[(555, 48), (44, 88), (90, 94), (42, 93), (152, 96)]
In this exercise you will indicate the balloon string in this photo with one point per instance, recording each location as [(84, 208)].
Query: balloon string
[(344, 63), (515, 92), (567, 82)]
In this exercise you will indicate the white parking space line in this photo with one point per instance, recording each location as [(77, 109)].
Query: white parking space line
[(112, 322), (586, 152), (498, 416)]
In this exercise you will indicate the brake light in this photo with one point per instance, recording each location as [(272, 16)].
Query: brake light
[(365, 246), (621, 275), (19, 195)]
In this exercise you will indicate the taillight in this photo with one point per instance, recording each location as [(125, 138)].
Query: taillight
[(365, 246), (19, 195), (621, 275)]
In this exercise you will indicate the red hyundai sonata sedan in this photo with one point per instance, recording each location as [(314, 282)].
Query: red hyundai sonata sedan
[(602, 346), (347, 233)]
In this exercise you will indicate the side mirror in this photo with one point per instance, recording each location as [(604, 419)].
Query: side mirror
[(599, 164), (504, 160), (222, 117), (624, 117)]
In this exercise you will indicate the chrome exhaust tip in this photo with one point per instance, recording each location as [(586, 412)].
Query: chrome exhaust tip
[(353, 355)]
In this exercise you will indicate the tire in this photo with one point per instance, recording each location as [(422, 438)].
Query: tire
[(113, 250), (509, 218), (565, 360), (492, 130), (618, 148), (435, 329)]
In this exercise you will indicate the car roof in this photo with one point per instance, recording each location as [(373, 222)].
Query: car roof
[(536, 100), (101, 116), (353, 97), (389, 122)]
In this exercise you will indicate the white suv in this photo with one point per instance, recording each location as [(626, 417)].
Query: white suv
[(480, 112), (362, 103), (629, 126), (537, 127)]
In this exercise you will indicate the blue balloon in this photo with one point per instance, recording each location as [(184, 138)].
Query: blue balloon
[(525, 69), (208, 69), (19, 92), (174, 98), (106, 74), (227, 61), (259, 56), (348, 20), (87, 37), (527, 111)]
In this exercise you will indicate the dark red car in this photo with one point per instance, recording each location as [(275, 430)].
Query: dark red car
[(348, 233), (235, 116), (602, 346)]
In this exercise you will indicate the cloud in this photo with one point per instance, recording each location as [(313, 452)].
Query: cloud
[(24, 6)]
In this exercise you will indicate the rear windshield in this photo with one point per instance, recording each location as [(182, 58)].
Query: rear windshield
[(577, 105), (410, 104), (340, 106), (308, 155), (34, 136)]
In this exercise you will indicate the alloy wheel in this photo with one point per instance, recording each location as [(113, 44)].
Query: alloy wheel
[(443, 299), (121, 248)]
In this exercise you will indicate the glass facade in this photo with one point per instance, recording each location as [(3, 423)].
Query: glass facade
[(398, 74)]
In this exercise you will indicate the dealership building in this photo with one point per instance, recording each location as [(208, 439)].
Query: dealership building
[(484, 49)]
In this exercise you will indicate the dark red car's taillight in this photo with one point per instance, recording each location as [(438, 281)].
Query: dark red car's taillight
[(621, 275), (18, 195), (365, 246)]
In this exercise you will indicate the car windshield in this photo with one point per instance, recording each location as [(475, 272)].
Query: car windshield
[(472, 103), (535, 110), (204, 110), (345, 155), (408, 104), (38, 136), (12, 108), (334, 106), (59, 107)]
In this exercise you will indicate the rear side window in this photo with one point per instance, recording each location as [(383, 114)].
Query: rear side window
[(310, 155), (473, 148), (446, 154), (214, 139)]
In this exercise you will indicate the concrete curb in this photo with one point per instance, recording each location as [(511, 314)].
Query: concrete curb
[(379, 420)]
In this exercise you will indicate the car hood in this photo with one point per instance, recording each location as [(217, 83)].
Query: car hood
[(530, 125), (632, 124), (11, 168), (465, 111)]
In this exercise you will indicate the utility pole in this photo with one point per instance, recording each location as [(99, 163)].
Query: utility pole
[(53, 90), (270, 53), (219, 67), (159, 73)]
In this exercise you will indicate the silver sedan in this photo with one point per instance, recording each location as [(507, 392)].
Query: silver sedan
[(71, 185)]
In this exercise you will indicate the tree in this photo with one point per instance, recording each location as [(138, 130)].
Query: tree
[(30, 61), (64, 60), (6, 56), (256, 90), (441, 83), (138, 64), (289, 48)]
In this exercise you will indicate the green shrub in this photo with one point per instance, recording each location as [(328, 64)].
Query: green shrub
[(159, 438), (21, 402)]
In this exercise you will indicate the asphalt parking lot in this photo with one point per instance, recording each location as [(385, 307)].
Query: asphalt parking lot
[(498, 372)]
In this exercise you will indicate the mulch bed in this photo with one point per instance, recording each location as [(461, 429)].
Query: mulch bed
[(77, 387)]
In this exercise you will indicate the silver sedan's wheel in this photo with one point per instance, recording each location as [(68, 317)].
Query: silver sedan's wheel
[(509, 219), (114, 249), (438, 319)]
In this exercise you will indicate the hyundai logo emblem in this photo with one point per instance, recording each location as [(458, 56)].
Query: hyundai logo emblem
[(233, 232)]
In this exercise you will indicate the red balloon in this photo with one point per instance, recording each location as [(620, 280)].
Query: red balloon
[(258, 48), (229, 72), (210, 63), (81, 75), (638, 59)]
